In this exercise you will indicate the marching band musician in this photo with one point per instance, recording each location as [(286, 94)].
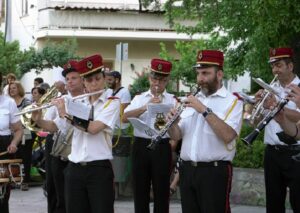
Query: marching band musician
[(55, 165), (151, 166), (89, 175), (8, 142), (208, 128), (281, 171)]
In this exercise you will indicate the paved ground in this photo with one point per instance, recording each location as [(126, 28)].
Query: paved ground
[(33, 201)]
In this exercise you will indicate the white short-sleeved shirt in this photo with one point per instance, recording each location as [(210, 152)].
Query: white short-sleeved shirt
[(125, 98), (87, 147), (199, 142), (140, 100), (273, 127), (8, 108)]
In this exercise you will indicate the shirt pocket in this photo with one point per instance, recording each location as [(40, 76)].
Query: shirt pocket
[(4, 118)]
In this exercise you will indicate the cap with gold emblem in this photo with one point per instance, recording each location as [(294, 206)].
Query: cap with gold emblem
[(90, 65), (71, 66), (161, 66), (209, 58), (280, 53)]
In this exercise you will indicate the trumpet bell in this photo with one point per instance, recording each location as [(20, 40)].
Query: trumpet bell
[(27, 122), (44, 100)]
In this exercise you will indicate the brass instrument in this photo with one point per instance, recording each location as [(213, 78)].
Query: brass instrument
[(157, 138), (258, 109), (26, 112), (249, 139), (160, 117)]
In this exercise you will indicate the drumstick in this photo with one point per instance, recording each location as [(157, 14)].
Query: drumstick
[(3, 153)]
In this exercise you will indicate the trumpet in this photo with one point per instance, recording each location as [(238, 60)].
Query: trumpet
[(258, 108), (249, 139), (47, 105), (157, 138)]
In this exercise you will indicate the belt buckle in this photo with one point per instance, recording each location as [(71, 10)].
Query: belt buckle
[(83, 163), (215, 163), (194, 164), (276, 147)]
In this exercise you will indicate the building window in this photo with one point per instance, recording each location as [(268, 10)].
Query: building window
[(24, 7)]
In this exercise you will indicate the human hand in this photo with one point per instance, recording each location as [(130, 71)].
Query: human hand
[(12, 148), (294, 94)]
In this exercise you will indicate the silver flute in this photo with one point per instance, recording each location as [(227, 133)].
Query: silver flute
[(157, 138), (47, 105)]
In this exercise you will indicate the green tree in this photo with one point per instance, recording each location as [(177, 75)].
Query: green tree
[(244, 30), (10, 56), (51, 55)]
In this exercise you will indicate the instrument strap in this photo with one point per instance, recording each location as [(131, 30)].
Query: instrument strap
[(227, 115)]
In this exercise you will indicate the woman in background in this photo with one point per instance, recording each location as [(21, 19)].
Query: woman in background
[(16, 91), (8, 141)]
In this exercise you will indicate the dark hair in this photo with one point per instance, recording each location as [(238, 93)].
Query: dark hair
[(114, 74), (40, 90), (39, 80)]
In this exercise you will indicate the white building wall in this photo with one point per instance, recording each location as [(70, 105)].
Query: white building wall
[(22, 27)]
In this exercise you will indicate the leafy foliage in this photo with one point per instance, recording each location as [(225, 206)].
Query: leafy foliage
[(244, 30), (52, 55), (10, 56), (249, 157)]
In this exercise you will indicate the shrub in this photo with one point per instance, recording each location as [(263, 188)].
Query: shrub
[(249, 156)]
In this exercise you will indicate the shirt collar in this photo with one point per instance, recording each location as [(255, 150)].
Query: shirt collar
[(222, 92), (101, 98)]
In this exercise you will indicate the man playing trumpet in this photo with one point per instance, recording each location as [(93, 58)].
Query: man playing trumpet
[(280, 169)]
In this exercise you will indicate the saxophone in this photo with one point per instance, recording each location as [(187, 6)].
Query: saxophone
[(157, 138)]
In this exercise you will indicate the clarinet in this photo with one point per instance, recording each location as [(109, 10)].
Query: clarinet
[(249, 139), (155, 140)]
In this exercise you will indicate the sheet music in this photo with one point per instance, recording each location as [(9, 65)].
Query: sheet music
[(78, 109), (142, 126), (154, 109)]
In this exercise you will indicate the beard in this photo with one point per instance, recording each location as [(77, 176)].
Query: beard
[(209, 87)]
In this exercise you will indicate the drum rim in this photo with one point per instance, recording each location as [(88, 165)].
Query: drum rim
[(5, 161)]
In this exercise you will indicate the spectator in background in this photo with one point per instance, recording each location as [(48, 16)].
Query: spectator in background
[(120, 141), (61, 87), (9, 79), (16, 91), (45, 86), (10, 135), (37, 81), (37, 93)]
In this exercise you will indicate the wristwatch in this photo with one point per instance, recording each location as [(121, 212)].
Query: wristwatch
[(207, 112)]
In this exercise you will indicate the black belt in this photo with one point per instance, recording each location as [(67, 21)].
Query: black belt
[(148, 140), (284, 147), (206, 164), (93, 163)]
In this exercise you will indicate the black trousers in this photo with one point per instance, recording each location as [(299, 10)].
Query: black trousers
[(25, 153), (89, 188), (281, 171), (205, 187), (4, 143), (55, 182), (151, 166)]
